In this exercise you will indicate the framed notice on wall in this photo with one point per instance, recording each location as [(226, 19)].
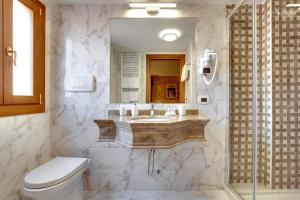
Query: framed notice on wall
[(171, 91)]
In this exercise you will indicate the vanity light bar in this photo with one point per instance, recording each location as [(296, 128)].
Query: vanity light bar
[(293, 5), (152, 5)]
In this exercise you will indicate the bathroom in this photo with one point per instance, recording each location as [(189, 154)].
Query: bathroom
[(231, 156)]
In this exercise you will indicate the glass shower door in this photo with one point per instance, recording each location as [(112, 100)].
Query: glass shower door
[(278, 55), (241, 100), (265, 100)]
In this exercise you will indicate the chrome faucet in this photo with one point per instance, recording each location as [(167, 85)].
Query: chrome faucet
[(152, 111)]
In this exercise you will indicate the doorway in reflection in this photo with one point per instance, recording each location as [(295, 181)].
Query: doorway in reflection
[(164, 82)]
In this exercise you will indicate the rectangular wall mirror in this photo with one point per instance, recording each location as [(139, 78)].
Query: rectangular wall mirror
[(153, 60)]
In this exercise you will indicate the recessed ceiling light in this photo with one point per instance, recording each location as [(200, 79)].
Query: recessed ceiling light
[(152, 5), (170, 35), (293, 5)]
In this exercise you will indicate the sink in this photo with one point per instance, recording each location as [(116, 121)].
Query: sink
[(151, 119), (146, 131)]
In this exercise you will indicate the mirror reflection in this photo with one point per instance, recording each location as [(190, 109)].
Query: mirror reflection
[(152, 60)]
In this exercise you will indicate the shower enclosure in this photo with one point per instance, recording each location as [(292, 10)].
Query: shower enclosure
[(264, 154)]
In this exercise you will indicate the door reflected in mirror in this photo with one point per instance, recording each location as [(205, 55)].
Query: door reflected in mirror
[(153, 60), (164, 83)]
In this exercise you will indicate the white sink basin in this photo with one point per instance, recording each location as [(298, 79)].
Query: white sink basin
[(152, 119)]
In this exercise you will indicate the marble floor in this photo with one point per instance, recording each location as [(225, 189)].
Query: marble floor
[(264, 193), (158, 195)]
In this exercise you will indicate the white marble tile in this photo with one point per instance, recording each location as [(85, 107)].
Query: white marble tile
[(158, 195), (24, 142), (11, 178), (245, 190), (187, 167), (105, 158), (128, 180)]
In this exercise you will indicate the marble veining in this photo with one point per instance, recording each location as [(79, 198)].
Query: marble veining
[(146, 134), (190, 166), (170, 195), (24, 141)]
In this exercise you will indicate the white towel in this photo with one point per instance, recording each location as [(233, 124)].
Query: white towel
[(185, 73), (130, 82), (125, 97)]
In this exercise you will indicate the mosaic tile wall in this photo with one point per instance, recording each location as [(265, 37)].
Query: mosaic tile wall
[(278, 93), (264, 92), (286, 94), (241, 96)]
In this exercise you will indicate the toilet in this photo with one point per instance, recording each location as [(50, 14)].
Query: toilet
[(58, 179)]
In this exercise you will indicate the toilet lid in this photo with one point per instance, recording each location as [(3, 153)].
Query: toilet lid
[(54, 172)]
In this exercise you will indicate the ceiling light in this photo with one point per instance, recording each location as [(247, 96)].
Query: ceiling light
[(153, 10), (170, 35), (293, 5), (152, 5)]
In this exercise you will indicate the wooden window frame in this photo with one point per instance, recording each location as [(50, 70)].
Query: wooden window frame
[(151, 57), (11, 105)]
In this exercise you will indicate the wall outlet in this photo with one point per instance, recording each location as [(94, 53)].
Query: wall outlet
[(203, 100)]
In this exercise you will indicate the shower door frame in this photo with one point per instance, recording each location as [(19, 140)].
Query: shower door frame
[(228, 188)]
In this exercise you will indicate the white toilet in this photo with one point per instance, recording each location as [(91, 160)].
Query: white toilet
[(58, 179)]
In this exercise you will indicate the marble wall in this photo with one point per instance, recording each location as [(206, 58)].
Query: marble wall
[(24, 143), (192, 166)]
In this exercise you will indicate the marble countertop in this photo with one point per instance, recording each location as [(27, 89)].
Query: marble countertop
[(172, 119), (134, 133)]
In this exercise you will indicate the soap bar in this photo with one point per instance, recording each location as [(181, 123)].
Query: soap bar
[(170, 113)]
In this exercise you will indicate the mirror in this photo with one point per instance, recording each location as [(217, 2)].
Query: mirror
[(153, 60)]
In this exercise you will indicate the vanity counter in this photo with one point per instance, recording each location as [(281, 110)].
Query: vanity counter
[(172, 119), (162, 133)]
